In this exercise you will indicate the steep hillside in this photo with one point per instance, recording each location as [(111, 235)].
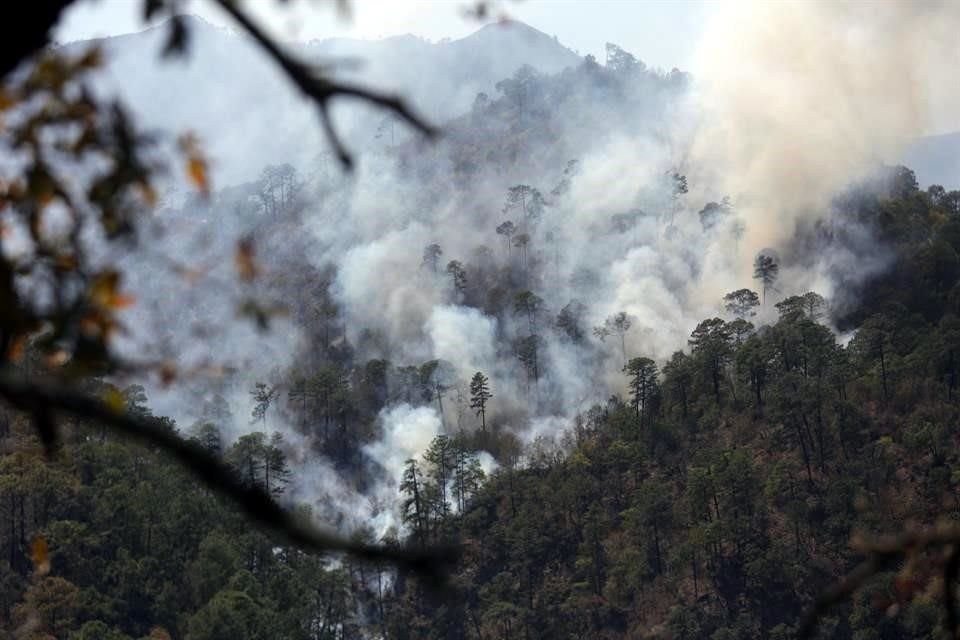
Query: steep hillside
[(443, 78), (720, 494), (440, 80), (641, 405)]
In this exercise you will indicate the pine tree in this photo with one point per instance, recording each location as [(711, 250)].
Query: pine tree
[(467, 474), (431, 256), (479, 396), (643, 386), (263, 396), (619, 324), (246, 456), (507, 229), (413, 511), (440, 461), (458, 276), (527, 351), (275, 467), (302, 392), (766, 270), (208, 436), (741, 303)]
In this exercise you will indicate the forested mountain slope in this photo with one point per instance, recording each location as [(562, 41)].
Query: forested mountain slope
[(514, 341), (714, 499)]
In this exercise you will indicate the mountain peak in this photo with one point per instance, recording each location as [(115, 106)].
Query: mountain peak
[(507, 27), (190, 20), (518, 40)]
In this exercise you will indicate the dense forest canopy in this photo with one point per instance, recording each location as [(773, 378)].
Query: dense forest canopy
[(637, 403)]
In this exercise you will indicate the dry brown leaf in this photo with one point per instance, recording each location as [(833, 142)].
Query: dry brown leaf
[(196, 162), (92, 59), (123, 300), (16, 348), (104, 291), (159, 633), (197, 170), (66, 262), (244, 260), (40, 554), (148, 193), (6, 100)]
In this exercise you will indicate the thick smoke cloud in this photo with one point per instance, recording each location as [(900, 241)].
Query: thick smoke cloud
[(789, 104), (407, 432), (796, 99)]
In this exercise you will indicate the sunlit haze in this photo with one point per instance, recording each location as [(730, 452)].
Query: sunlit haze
[(662, 34)]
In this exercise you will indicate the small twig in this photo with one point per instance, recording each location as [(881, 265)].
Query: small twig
[(950, 570), (321, 89), (41, 400), (838, 592), (881, 556), (334, 138)]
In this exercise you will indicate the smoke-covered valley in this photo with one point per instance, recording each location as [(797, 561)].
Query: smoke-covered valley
[(574, 215)]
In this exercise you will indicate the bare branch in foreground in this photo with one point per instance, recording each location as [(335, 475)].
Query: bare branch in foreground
[(884, 554), (321, 89), (42, 400)]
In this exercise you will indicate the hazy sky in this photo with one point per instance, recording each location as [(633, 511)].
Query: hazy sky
[(662, 34)]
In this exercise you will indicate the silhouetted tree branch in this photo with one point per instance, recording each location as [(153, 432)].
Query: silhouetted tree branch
[(43, 399), (321, 89), (32, 33), (46, 401), (887, 553)]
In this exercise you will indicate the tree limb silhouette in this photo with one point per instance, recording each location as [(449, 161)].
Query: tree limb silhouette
[(321, 88), (41, 400), (883, 554)]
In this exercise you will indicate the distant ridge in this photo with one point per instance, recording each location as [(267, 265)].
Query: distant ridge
[(226, 85)]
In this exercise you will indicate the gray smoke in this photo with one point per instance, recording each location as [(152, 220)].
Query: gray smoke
[(791, 102)]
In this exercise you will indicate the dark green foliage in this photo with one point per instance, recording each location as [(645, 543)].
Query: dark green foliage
[(528, 305), (710, 346), (742, 303), (763, 450), (458, 277), (766, 269), (479, 396), (260, 462), (136, 545), (570, 321), (447, 469), (642, 382), (715, 501), (263, 396), (527, 351)]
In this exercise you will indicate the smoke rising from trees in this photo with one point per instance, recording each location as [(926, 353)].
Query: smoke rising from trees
[(606, 172)]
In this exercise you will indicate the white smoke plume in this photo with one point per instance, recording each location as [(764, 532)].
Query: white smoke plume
[(797, 99), (789, 103), (407, 432)]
